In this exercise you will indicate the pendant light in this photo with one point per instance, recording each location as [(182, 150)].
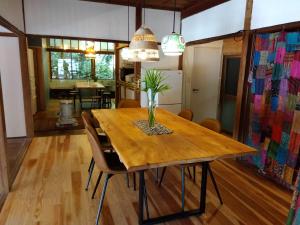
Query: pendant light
[(126, 53), (90, 50), (173, 44), (143, 45)]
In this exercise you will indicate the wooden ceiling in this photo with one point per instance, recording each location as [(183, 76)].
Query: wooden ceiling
[(187, 7)]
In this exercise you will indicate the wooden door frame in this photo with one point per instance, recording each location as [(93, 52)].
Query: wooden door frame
[(24, 73), (222, 85), (15, 32), (4, 183)]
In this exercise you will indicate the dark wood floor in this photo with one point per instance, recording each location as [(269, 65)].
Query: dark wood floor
[(49, 190)]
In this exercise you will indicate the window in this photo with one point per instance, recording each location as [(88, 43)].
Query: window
[(65, 66), (68, 60), (105, 64)]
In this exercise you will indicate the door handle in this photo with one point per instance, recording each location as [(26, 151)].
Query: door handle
[(195, 90)]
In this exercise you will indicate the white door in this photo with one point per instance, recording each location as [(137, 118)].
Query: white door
[(206, 81)]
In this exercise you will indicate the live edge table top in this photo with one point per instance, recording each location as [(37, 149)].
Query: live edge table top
[(189, 142)]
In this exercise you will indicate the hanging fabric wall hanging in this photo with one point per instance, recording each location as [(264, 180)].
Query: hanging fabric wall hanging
[(275, 105), (294, 213)]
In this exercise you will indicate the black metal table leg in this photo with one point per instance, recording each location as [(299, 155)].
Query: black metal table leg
[(141, 197), (182, 213), (203, 187), (182, 187)]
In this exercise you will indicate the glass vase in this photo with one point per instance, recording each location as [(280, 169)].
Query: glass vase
[(152, 103)]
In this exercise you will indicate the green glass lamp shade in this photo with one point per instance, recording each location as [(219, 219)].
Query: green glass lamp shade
[(173, 44)]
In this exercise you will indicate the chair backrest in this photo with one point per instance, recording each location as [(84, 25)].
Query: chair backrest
[(129, 103), (186, 114), (97, 152), (211, 124), (88, 120)]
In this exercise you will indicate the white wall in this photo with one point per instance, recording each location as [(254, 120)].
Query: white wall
[(11, 10), (93, 20), (223, 19), (3, 29), (161, 22), (78, 19), (12, 90), (267, 13)]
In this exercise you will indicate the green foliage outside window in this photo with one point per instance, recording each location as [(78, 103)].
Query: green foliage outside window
[(68, 66), (105, 67)]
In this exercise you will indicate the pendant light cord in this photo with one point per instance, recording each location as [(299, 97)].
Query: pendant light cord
[(174, 16), (128, 21)]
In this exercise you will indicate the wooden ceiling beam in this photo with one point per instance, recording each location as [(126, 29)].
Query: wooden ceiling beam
[(199, 7), (133, 4)]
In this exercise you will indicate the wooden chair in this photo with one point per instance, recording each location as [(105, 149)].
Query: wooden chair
[(109, 164), (129, 103), (89, 121), (211, 124), (186, 114)]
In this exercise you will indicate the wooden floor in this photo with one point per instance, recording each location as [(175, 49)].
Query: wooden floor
[(15, 151), (49, 190)]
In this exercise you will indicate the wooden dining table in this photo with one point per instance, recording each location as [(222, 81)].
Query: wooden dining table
[(189, 143)]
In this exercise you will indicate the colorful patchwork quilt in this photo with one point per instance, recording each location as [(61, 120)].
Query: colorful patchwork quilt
[(275, 105), (294, 213)]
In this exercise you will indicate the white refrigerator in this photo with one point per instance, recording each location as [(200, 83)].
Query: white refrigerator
[(171, 99)]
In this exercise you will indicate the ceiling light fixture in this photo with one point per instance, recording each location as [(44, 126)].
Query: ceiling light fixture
[(173, 44), (90, 50), (143, 45)]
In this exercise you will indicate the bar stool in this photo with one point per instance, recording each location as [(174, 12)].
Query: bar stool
[(106, 99), (73, 94), (96, 102)]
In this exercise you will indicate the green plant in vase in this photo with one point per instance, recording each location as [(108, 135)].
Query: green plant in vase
[(154, 84)]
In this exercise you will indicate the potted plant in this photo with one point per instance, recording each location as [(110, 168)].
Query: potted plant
[(154, 84)]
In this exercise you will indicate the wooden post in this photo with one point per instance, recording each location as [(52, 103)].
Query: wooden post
[(26, 86), (117, 74), (138, 24), (243, 72)]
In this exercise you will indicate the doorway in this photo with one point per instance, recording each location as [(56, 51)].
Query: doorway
[(205, 81), (228, 93)]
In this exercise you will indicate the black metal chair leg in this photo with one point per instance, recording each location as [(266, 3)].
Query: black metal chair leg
[(194, 174), (91, 169), (134, 182), (97, 184), (162, 176), (102, 198), (156, 180), (215, 184), (182, 187), (91, 163)]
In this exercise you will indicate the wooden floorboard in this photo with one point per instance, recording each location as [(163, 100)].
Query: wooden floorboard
[(49, 190)]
